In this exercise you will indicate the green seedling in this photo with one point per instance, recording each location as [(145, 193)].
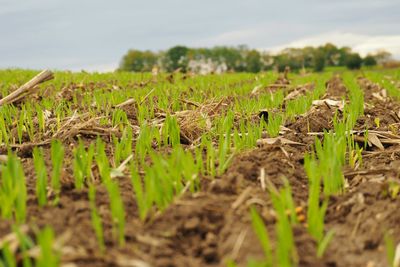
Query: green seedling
[(282, 201), (316, 211), (102, 160), (45, 249), (354, 152), (167, 177), (57, 158), (20, 128), (26, 243), (210, 158), (365, 139), (41, 118), (144, 142), (377, 122), (13, 257), (116, 203), (331, 156), (41, 176), (393, 189), (171, 131), (275, 121), (4, 130), (96, 219), (117, 210), (390, 249), (385, 82), (82, 164), (13, 194), (123, 147), (224, 146), (118, 118), (8, 258), (262, 234), (48, 256), (139, 192), (356, 107)]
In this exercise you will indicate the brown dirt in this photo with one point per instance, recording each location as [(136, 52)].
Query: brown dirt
[(204, 229)]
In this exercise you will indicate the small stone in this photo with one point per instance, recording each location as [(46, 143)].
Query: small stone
[(210, 255), (192, 223), (211, 238)]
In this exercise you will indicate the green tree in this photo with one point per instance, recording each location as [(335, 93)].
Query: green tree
[(354, 61), (344, 53), (288, 59), (267, 61), (139, 61), (241, 58), (253, 61), (177, 57), (331, 54), (369, 61), (308, 56), (231, 56), (319, 62), (382, 57)]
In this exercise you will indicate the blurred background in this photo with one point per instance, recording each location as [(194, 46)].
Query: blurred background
[(235, 35)]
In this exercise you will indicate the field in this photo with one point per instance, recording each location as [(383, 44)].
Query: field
[(265, 169)]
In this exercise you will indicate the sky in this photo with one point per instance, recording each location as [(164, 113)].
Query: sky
[(94, 34)]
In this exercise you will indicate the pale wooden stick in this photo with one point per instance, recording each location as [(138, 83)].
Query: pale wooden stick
[(27, 87)]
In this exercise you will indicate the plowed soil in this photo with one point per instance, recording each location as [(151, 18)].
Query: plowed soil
[(212, 226)]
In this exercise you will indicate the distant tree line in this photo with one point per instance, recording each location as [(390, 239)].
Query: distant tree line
[(243, 59)]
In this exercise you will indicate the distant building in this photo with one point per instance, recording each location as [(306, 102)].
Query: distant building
[(206, 66)]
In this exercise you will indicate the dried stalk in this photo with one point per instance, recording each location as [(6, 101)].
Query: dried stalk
[(27, 88)]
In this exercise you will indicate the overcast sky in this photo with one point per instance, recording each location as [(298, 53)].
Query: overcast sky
[(94, 34)]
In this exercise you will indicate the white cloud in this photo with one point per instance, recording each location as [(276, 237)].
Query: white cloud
[(9, 7), (360, 43), (234, 37), (255, 35)]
